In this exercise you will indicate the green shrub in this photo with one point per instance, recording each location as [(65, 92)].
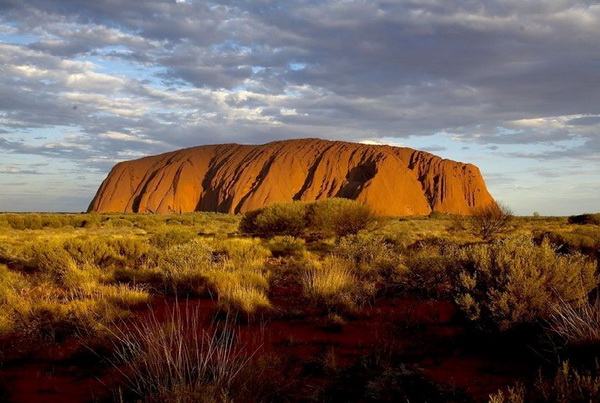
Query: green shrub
[(171, 237), (91, 220), (118, 222), (132, 251), (15, 221), (50, 258), (94, 251), (373, 258), (287, 218), (324, 218), (515, 281), (431, 263), (593, 219), (339, 217)]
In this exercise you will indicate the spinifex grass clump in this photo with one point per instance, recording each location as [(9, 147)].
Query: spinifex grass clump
[(12, 286), (515, 281), (60, 287), (584, 239), (287, 246), (171, 237), (233, 270), (577, 324), (335, 284), (180, 360), (358, 268)]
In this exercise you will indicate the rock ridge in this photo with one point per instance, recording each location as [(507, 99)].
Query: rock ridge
[(235, 178)]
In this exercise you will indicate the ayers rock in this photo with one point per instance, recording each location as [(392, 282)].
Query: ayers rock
[(234, 178)]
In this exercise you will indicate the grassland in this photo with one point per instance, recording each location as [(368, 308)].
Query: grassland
[(198, 307)]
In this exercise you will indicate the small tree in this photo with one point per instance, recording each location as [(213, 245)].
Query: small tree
[(491, 219), (340, 217), (287, 218)]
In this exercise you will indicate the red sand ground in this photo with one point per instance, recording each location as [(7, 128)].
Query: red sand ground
[(424, 332)]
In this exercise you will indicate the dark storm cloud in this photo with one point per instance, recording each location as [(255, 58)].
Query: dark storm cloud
[(508, 72)]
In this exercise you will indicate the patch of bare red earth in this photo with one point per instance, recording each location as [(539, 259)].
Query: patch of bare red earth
[(425, 333)]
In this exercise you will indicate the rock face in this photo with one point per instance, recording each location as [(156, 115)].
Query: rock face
[(233, 178)]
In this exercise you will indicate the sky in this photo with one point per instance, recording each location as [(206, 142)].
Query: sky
[(511, 86)]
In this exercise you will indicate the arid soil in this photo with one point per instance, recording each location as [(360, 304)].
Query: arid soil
[(422, 334)]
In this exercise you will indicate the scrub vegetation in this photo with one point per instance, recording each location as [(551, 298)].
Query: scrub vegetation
[(286, 302)]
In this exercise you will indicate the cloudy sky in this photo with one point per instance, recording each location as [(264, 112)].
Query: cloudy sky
[(512, 86)]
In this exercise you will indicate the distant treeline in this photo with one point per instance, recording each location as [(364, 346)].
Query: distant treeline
[(585, 219)]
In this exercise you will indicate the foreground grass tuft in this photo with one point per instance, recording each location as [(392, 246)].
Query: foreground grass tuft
[(334, 284), (180, 361), (577, 324)]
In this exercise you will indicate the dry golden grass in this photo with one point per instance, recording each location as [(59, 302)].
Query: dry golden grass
[(97, 267), (333, 283), (230, 269)]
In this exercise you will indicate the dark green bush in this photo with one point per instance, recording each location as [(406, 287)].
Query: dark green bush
[(339, 217), (324, 218), (585, 219), (289, 218)]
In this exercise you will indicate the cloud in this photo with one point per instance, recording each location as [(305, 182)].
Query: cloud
[(11, 170), (378, 67), (434, 148), (127, 79)]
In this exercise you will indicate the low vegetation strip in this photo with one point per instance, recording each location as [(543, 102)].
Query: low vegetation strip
[(325, 264)]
